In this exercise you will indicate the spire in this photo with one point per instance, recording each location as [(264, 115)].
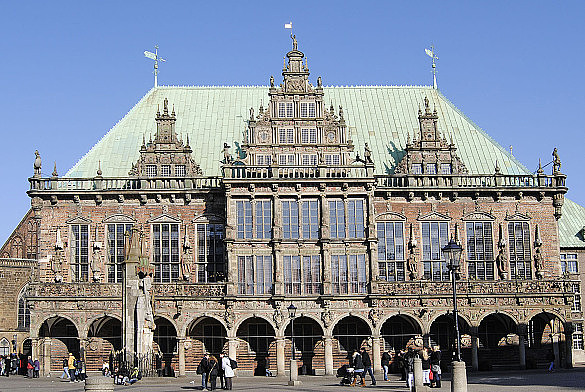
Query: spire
[(55, 174), (539, 171), (59, 243), (143, 142), (173, 112)]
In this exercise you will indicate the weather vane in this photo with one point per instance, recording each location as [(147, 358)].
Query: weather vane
[(154, 56), (432, 55)]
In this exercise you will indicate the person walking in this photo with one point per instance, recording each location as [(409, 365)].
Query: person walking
[(213, 372), (71, 367), (386, 363), (81, 369), (7, 366), (203, 369), (30, 367), (367, 365), (426, 366), (358, 369), (409, 366), (228, 372), (37, 368), (65, 373), (436, 367), (550, 357)]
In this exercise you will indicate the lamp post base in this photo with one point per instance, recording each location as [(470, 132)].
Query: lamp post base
[(459, 377), (294, 374)]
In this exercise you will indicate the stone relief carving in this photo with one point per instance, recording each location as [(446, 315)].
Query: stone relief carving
[(538, 258)]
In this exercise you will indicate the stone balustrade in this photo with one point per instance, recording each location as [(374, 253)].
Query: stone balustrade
[(123, 184), (477, 181)]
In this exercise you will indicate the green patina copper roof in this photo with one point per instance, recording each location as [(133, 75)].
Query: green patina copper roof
[(570, 225), (382, 116)]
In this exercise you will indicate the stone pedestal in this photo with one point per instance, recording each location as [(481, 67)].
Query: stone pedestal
[(232, 348), (181, 347), (294, 373), (418, 375), (99, 384), (459, 380), (329, 371)]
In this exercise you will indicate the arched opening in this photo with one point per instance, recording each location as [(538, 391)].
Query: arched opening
[(498, 342), (259, 351), (206, 335), (65, 339), (443, 334), (17, 248), (104, 338), (309, 347), (23, 319), (545, 339), (165, 339), (4, 347), (400, 332), (351, 334)]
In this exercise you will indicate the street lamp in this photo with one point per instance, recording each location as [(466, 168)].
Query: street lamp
[(294, 370), (452, 252)]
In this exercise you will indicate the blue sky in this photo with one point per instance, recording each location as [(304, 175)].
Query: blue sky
[(70, 70)]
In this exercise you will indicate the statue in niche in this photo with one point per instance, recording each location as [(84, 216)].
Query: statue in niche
[(145, 316), (538, 263), (502, 263), (411, 262), (187, 260), (96, 273), (58, 259)]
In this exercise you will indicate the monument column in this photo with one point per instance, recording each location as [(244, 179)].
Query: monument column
[(280, 356), (376, 358), (328, 340), (181, 348)]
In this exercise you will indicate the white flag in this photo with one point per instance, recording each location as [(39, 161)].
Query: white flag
[(150, 55), (429, 53), (288, 25)]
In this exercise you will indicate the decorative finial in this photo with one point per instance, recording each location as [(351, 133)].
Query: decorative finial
[(99, 170), (173, 112), (58, 243), (55, 174), (539, 171), (157, 110), (497, 167), (433, 56), (284, 63), (187, 145), (166, 107)]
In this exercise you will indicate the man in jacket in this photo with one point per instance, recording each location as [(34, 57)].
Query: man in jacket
[(386, 363), (203, 369), (368, 365), (358, 369), (71, 368)]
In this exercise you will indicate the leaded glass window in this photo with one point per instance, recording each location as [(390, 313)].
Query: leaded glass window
[(179, 170), (434, 238), (285, 109), (23, 313), (116, 250), (578, 336), (165, 170), (264, 219), (309, 135), (337, 218), (480, 250), (576, 305), (290, 219), (569, 263), (255, 274), (431, 168), (165, 241), (355, 218), (80, 251), (286, 135), (210, 253), (520, 260), (151, 170), (307, 109), (348, 274), (416, 168), (244, 218), (391, 251), (310, 218), (32, 239)]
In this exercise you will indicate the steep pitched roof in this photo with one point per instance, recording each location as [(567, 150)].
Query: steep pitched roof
[(570, 225), (382, 116)]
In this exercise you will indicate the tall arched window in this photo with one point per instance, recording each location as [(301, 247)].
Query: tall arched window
[(16, 248), (23, 312), (4, 347), (32, 239)]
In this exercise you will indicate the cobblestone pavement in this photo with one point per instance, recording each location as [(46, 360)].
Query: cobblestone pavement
[(531, 381)]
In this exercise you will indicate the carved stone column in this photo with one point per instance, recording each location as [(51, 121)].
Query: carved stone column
[(328, 341), (474, 348), (568, 330), (35, 348), (181, 348), (376, 357), (46, 358), (280, 356), (326, 269), (522, 330), (232, 347), (278, 270)]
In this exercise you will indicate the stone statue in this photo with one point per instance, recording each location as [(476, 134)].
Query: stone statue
[(145, 316), (319, 82), (502, 263), (556, 161), (251, 114), (187, 259), (37, 164), (271, 81), (57, 259), (294, 39), (538, 263), (327, 317), (367, 154), (411, 262), (227, 158), (95, 264)]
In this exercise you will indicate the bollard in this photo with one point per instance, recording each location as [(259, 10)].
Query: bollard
[(418, 375), (459, 380), (99, 384), (294, 374)]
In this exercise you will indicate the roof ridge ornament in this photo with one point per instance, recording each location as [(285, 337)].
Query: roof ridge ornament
[(431, 53), (154, 56)]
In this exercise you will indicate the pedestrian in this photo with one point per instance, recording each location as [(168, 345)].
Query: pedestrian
[(71, 368), (81, 369), (220, 372), (367, 365), (7, 366), (358, 369), (436, 366), (37, 368), (228, 372), (30, 367), (386, 363), (65, 373), (409, 366), (426, 366), (203, 369), (213, 372), (550, 357)]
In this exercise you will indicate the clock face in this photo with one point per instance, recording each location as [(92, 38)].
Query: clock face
[(331, 136)]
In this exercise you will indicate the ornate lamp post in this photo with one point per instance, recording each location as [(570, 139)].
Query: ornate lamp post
[(294, 370), (452, 252)]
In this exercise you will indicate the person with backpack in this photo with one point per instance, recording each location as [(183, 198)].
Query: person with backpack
[(367, 365), (203, 369), (228, 370)]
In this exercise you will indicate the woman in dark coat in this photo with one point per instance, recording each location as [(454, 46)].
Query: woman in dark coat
[(213, 372), (436, 366), (385, 364)]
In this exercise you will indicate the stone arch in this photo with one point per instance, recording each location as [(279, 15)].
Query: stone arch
[(487, 314), (442, 333), (390, 315), (550, 312), (494, 327), (204, 334), (399, 331), (308, 343), (256, 350), (165, 342), (104, 337), (316, 319), (350, 333), (260, 316), (64, 335), (357, 316)]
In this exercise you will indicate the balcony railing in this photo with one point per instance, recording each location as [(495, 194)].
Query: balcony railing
[(297, 172), (123, 183), (469, 181)]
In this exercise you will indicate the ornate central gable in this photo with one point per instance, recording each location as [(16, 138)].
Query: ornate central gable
[(430, 153), (296, 129), (166, 155)]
